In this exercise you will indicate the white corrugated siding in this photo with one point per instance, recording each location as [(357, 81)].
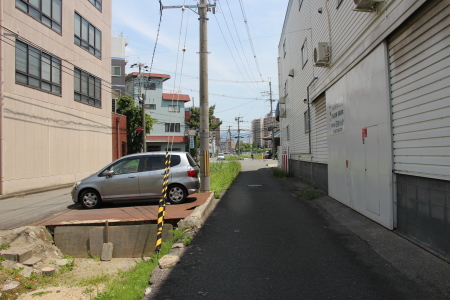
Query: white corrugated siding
[(319, 145), (420, 91)]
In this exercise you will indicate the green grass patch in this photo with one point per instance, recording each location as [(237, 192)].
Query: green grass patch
[(223, 175), (233, 157), (131, 284), (187, 240), (4, 246), (310, 194), (279, 173)]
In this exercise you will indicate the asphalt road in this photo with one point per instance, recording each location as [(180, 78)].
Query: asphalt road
[(262, 243), (25, 210)]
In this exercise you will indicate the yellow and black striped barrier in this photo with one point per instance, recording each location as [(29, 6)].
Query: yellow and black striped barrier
[(162, 204)]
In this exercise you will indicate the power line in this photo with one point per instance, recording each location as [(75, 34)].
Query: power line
[(250, 38)]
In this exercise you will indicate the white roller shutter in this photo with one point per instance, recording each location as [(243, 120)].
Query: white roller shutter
[(419, 55)]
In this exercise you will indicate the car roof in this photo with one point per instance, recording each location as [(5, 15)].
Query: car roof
[(157, 153)]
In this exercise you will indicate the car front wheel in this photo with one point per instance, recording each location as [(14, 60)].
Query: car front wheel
[(176, 194), (90, 199)]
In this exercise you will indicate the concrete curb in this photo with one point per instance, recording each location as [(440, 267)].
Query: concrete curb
[(199, 215), (192, 224)]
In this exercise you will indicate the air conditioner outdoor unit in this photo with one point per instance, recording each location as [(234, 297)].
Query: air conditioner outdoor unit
[(282, 100), (366, 5), (322, 55)]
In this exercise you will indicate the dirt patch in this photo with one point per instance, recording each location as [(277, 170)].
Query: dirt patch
[(84, 281)]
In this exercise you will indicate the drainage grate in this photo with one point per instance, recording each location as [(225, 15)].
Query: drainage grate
[(254, 185)]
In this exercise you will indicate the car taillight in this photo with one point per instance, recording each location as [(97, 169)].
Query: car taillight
[(192, 173)]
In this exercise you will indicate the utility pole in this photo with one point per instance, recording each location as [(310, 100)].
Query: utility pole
[(271, 118), (141, 98), (203, 9), (238, 119), (229, 139)]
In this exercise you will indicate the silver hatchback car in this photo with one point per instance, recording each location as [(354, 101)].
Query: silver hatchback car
[(139, 176)]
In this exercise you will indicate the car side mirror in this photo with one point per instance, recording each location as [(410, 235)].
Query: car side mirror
[(109, 173)]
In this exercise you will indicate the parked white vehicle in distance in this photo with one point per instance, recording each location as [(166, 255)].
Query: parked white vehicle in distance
[(220, 156)]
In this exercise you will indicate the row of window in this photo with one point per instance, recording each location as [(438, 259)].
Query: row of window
[(49, 13), (40, 70), (116, 95)]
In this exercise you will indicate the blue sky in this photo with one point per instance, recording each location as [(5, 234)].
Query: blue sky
[(236, 78)]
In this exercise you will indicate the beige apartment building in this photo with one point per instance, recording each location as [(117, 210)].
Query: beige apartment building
[(55, 93)]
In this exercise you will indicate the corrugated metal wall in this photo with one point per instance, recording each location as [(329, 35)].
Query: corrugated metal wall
[(319, 144), (420, 88)]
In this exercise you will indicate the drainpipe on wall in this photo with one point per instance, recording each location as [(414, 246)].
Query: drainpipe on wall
[(118, 137), (309, 127), (309, 112), (1, 102)]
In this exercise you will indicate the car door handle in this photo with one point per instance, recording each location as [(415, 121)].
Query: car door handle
[(131, 176)]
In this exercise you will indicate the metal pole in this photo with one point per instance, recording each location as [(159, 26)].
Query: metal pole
[(144, 135), (238, 119), (271, 119), (204, 105)]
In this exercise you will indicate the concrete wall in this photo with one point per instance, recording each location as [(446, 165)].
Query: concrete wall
[(424, 210), (314, 174), (50, 139)]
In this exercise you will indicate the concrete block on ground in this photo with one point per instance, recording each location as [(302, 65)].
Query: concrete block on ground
[(128, 240), (32, 261), (73, 240), (26, 272), (168, 261), (107, 251), (17, 254)]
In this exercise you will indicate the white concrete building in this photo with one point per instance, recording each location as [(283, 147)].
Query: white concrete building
[(55, 92), (376, 79)]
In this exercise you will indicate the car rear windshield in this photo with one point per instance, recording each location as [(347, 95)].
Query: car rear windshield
[(191, 160)]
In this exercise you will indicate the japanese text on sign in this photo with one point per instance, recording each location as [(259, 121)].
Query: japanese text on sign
[(336, 118)]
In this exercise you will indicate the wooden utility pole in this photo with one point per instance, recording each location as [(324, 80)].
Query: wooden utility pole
[(203, 9), (204, 102)]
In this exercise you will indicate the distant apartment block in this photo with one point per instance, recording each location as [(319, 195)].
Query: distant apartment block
[(168, 133)]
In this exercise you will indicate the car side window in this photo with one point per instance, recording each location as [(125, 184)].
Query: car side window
[(157, 162), (153, 163), (125, 166)]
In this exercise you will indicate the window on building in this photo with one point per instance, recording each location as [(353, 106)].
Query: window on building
[(150, 106), (115, 96), (172, 127), (97, 3), (284, 48), (174, 108), (87, 36), (115, 71), (304, 53), (306, 118), (46, 11), (338, 3), (286, 88), (37, 69), (288, 134), (87, 88), (149, 85), (300, 4)]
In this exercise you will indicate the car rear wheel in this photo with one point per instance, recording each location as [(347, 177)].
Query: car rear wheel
[(176, 194), (90, 199)]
